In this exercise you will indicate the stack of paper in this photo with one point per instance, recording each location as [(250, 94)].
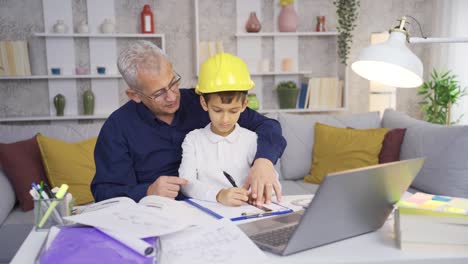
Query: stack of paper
[(221, 242), (432, 221)]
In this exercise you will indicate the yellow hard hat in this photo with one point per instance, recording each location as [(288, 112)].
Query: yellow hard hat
[(223, 72)]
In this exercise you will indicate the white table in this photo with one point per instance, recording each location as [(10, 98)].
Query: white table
[(375, 247)]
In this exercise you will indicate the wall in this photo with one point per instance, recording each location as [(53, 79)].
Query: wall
[(450, 20), (19, 19)]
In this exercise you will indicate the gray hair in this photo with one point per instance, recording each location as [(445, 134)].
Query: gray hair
[(140, 56)]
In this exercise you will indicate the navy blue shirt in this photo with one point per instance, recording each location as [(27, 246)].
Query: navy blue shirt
[(134, 148)]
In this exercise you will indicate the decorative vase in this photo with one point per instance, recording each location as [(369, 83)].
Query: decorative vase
[(60, 27), (88, 102), (253, 24), (253, 104), (147, 20), (59, 103), (82, 27), (108, 26), (320, 26), (287, 19)]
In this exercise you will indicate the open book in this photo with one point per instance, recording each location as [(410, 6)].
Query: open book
[(152, 216), (151, 201)]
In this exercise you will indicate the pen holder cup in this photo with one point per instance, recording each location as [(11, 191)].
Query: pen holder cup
[(49, 212)]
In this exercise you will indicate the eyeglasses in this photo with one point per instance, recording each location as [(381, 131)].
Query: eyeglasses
[(173, 86)]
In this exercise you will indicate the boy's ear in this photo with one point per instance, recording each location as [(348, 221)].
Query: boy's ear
[(203, 103), (244, 105), (133, 95)]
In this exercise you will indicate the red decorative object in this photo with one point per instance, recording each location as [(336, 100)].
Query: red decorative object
[(253, 24), (320, 26), (147, 20)]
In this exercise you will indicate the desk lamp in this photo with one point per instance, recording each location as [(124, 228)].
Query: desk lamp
[(392, 63)]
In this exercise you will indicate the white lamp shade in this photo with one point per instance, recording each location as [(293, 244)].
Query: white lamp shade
[(390, 63)]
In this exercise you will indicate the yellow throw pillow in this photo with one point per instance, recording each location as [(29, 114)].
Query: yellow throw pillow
[(338, 149), (70, 163)]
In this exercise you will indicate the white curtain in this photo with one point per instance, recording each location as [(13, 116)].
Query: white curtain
[(451, 20)]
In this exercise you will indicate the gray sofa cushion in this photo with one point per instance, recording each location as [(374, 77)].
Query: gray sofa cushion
[(7, 196), (298, 129), (445, 170)]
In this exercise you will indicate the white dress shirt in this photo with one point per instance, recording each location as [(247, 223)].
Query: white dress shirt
[(206, 155)]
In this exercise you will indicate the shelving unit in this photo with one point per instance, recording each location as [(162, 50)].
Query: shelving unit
[(286, 34), (72, 76), (60, 52), (53, 118), (285, 45)]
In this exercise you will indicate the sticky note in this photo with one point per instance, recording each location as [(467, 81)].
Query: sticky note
[(459, 203), (419, 198), (431, 204), (435, 203), (441, 198), (454, 210), (406, 204)]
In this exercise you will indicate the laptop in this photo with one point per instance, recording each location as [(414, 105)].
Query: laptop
[(346, 204)]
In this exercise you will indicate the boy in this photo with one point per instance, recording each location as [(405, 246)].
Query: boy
[(216, 159)]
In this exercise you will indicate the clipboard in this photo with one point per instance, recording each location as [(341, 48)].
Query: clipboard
[(243, 212)]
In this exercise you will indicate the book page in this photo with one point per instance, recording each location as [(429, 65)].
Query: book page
[(222, 242), (139, 220), (104, 204), (177, 209)]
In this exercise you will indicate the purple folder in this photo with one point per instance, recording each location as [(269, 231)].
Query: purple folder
[(89, 245)]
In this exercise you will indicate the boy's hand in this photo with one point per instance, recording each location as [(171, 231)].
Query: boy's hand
[(233, 196)]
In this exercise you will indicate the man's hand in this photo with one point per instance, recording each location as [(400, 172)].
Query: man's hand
[(233, 196), (262, 182), (167, 186)]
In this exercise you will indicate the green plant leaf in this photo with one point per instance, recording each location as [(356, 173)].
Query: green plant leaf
[(438, 94)]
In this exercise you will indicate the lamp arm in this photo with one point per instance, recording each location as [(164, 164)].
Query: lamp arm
[(438, 40)]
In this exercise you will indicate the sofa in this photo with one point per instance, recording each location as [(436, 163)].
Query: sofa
[(445, 171)]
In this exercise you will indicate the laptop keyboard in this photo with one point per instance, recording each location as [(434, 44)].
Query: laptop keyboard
[(276, 237)]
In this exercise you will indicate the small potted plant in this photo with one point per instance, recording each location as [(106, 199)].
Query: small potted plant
[(287, 94)]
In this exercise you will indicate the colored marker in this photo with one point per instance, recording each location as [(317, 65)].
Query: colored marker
[(59, 195)]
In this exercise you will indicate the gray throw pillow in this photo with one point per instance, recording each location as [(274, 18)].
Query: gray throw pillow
[(445, 171), (298, 129)]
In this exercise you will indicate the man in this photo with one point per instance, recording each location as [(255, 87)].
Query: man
[(138, 151)]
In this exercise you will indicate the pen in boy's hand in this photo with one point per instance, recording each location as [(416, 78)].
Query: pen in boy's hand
[(230, 179)]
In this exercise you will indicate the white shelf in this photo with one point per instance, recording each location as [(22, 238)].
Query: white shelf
[(295, 110), (94, 35), (287, 34), (52, 118), (39, 77), (279, 73)]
